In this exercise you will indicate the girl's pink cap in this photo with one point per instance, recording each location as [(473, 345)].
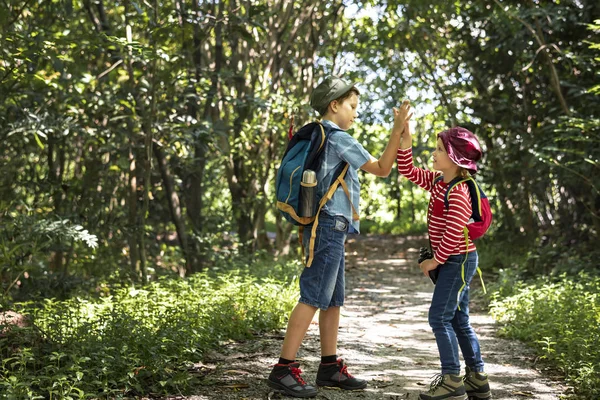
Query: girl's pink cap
[(463, 147)]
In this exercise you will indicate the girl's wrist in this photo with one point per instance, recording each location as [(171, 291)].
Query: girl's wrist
[(405, 144)]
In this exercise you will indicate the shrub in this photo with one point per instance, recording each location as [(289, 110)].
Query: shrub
[(141, 340), (561, 317)]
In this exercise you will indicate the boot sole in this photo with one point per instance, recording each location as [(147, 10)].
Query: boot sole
[(479, 396), (461, 397), (340, 385), (290, 392)]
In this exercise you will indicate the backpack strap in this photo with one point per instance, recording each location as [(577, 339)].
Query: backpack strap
[(474, 192), (324, 200), (462, 269), (355, 215)]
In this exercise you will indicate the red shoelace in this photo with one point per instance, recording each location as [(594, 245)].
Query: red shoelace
[(344, 371), (296, 374)]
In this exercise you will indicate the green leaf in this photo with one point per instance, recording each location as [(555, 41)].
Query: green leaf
[(38, 141)]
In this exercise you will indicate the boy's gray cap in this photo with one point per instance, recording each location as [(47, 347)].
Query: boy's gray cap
[(328, 90)]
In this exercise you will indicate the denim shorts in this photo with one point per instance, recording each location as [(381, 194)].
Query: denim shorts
[(322, 284)]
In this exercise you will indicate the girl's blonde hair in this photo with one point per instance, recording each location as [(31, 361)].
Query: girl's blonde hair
[(463, 173)]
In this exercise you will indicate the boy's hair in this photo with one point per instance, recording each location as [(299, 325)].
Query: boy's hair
[(340, 99)]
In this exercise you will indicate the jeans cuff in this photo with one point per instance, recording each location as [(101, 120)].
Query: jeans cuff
[(451, 372)]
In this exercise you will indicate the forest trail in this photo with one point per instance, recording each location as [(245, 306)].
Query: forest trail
[(384, 337)]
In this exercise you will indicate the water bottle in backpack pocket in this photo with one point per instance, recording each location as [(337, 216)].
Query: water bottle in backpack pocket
[(308, 194)]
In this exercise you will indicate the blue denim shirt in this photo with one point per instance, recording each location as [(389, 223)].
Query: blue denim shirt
[(341, 147)]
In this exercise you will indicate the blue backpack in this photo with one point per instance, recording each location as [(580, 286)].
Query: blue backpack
[(304, 151)]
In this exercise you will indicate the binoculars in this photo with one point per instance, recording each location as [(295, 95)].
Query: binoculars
[(426, 254)]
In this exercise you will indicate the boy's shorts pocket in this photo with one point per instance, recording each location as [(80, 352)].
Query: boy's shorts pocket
[(340, 224)]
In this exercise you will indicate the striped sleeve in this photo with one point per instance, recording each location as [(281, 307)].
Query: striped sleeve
[(421, 177), (459, 213)]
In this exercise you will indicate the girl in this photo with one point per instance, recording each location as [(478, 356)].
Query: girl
[(457, 153)]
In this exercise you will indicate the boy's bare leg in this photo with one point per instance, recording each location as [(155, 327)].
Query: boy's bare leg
[(329, 324), (296, 329)]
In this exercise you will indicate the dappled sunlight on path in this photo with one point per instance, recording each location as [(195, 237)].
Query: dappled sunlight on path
[(384, 336)]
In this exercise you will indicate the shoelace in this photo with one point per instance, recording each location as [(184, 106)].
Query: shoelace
[(296, 374), (344, 371), (437, 381)]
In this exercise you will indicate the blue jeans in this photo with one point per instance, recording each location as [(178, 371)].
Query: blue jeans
[(322, 285), (450, 325)]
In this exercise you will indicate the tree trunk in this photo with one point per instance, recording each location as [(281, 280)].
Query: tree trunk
[(282, 236), (194, 177), (175, 209), (134, 255)]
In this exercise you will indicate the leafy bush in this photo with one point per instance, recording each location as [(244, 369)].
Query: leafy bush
[(26, 239), (140, 340), (561, 317)]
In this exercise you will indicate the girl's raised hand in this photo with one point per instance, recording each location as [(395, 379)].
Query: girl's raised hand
[(401, 116), (406, 138)]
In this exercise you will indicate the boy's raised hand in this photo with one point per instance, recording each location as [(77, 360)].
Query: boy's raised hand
[(401, 116)]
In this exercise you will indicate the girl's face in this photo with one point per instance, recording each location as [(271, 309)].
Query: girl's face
[(441, 161)]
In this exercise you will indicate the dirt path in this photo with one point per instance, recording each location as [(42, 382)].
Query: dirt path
[(384, 336)]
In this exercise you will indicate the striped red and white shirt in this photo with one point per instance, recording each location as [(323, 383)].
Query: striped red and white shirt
[(445, 225)]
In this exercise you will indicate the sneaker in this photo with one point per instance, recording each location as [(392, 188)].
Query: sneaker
[(446, 387), (286, 377), (336, 375), (477, 385)]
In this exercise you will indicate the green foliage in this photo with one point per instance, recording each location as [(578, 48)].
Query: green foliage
[(561, 318), (546, 256), (25, 241), (140, 341), (189, 104)]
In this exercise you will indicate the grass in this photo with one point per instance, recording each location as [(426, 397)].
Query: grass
[(141, 340), (560, 317)]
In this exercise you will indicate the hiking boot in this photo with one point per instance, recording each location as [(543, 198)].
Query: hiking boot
[(336, 375), (286, 377), (446, 387), (477, 385)]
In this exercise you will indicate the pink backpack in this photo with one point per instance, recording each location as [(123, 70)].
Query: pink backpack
[(481, 218)]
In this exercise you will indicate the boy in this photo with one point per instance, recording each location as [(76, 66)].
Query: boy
[(322, 285)]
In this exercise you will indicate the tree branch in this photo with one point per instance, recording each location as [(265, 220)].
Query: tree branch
[(538, 35)]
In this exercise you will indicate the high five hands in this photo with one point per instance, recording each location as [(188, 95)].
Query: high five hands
[(402, 116)]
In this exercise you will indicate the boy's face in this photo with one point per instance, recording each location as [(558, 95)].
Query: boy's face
[(345, 111), (441, 161)]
